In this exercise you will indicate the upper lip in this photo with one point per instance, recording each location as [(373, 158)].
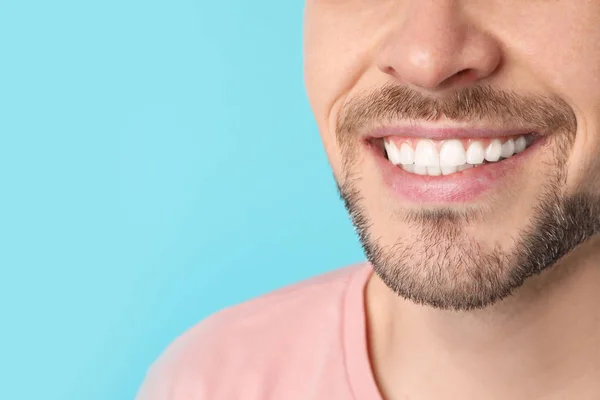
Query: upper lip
[(444, 132)]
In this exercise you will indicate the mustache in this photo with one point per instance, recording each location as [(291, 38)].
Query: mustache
[(394, 103)]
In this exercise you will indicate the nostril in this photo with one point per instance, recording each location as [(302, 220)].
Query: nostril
[(463, 77), (466, 71), (390, 71)]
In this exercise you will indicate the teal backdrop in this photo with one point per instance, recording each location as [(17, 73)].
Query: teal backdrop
[(158, 162)]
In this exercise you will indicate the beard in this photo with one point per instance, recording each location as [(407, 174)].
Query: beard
[(441, 266)]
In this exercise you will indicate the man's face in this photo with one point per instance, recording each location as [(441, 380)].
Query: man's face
[(464, 136)]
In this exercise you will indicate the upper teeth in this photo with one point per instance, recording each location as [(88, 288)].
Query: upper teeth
[(425, 158)]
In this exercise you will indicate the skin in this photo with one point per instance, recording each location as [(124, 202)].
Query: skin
[(543, 342)]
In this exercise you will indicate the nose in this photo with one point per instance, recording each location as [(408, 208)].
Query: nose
[(434, 47)]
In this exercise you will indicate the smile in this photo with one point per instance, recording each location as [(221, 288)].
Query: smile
[(446, 157), (441, 168)]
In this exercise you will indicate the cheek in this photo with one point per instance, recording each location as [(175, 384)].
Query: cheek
[(318, 89), (335, 58), (329, 70), (560, 54), (323, 76), (584, 160), (333, 155), (340, 42), (320, 59), (574, 74)]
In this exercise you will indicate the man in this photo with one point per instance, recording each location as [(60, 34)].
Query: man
[(465, 140)]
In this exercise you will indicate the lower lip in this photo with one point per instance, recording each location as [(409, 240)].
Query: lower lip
[(459, 187)]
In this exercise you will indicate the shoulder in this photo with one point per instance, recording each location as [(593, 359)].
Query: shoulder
[(251, 337)]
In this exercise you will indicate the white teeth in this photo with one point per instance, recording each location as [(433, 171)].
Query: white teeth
[(449, 170), (508, 148), (426, 154), (452, 154), (475, 153), (452, 157), (493, 151), (420, 170), (434, 171), (520, 144), (407, 154), (392, 152)]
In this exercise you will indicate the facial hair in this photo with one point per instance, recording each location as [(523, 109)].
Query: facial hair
[(439, 265)]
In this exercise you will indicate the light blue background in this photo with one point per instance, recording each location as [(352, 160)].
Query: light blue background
[(158, 162)]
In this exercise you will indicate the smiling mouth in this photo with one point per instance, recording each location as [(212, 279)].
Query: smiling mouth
[(430, 157)]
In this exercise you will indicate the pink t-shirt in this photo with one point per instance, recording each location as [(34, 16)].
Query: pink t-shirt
[(306, 341)]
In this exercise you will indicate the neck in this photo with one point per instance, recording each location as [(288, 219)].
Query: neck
[(542, 343)]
